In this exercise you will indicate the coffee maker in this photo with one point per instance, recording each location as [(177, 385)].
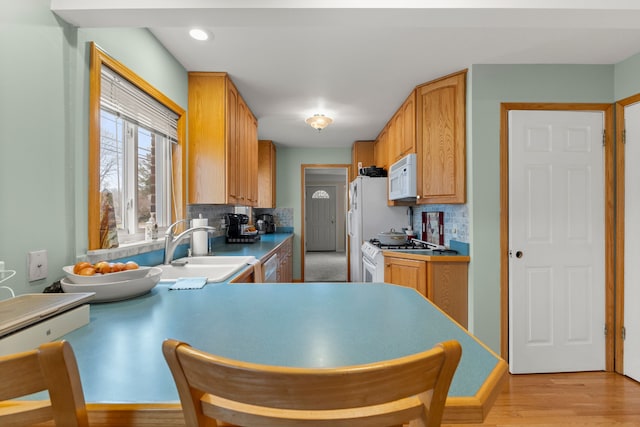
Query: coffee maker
[(235, 223), (267, 223)]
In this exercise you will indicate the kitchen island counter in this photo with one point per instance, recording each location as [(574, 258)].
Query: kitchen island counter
[(307, 325)]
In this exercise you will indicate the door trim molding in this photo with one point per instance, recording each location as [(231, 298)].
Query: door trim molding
[(609, 186), (303, 242), (620, 228)]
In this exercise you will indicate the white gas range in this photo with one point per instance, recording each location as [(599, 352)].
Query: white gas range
[(373, 259)]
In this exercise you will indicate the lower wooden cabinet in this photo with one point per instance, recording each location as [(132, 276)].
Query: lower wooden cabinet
[(247, 277), (285, 259), (406, 272), (443, 281), (284, 272)]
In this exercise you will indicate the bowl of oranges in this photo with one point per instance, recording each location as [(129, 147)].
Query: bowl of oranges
[(110, 281), (104, 272)]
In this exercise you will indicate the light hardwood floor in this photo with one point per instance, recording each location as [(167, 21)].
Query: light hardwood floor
[(591, 399)]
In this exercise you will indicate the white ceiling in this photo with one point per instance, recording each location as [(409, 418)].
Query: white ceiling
[(357, 64)]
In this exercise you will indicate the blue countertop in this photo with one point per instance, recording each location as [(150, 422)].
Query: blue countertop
[(308, 325)]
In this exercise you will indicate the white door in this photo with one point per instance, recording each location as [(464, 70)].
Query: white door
[(556, 241), (320, 211), (632, 242)]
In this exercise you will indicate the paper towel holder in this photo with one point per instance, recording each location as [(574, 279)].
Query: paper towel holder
[(200, 238)]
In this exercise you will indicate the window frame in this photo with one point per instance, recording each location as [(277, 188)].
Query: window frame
[(178, 209)]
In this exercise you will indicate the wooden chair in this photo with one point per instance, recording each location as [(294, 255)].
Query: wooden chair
[(51, 367), (412, 388)]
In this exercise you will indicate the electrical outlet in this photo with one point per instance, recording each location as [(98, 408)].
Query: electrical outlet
[(37, 265)]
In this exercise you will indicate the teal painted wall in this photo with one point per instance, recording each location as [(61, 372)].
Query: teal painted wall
[(288, 184), (44, 89), (491, 85), (627, 78), (36, 180)]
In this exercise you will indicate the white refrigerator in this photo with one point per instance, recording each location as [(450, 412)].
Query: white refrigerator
[(369, 215)]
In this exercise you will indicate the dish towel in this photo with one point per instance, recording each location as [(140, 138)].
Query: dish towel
[(189, 283)]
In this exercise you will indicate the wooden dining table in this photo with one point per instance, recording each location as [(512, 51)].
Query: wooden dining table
[(126, 379)]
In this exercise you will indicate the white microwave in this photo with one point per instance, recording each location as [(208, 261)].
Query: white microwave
[(402, 178)]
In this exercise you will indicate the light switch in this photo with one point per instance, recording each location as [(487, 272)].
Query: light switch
[(37, 265)]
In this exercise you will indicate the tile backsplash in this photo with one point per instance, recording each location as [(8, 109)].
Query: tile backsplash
[(283, 217), (456, 217), (214, 213), (456, 221)]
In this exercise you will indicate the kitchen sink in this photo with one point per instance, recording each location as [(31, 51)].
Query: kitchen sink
[(214, 268), (215, 260)]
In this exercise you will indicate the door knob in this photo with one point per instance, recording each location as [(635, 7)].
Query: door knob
[(519, 254)]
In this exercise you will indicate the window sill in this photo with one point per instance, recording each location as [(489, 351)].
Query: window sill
[(125, 250)]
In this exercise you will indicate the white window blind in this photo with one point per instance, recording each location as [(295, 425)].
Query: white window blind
[(122, 98)]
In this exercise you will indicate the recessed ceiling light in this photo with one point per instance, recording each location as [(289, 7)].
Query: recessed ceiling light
[(199, 34)]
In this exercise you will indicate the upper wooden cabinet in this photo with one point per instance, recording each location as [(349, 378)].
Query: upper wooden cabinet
[(403, 130), (361, 152), (440, 136), (266, 174), (408, 142), (381, 149), (398, 138), (223, 143), (430, 123), (247, 156)]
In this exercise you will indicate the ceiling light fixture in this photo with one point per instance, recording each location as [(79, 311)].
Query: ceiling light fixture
[(319, 121), (198, 34)]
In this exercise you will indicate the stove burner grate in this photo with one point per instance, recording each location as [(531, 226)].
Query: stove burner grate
[(410, 245)]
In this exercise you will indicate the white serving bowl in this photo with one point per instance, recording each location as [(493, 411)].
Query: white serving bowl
[(105, 278), (116, 291)]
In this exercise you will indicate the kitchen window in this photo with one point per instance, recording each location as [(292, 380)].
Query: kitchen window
[(135, 167), (135, 155)]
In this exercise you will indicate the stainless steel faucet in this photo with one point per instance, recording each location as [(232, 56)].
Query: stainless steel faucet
[(171, 241)]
